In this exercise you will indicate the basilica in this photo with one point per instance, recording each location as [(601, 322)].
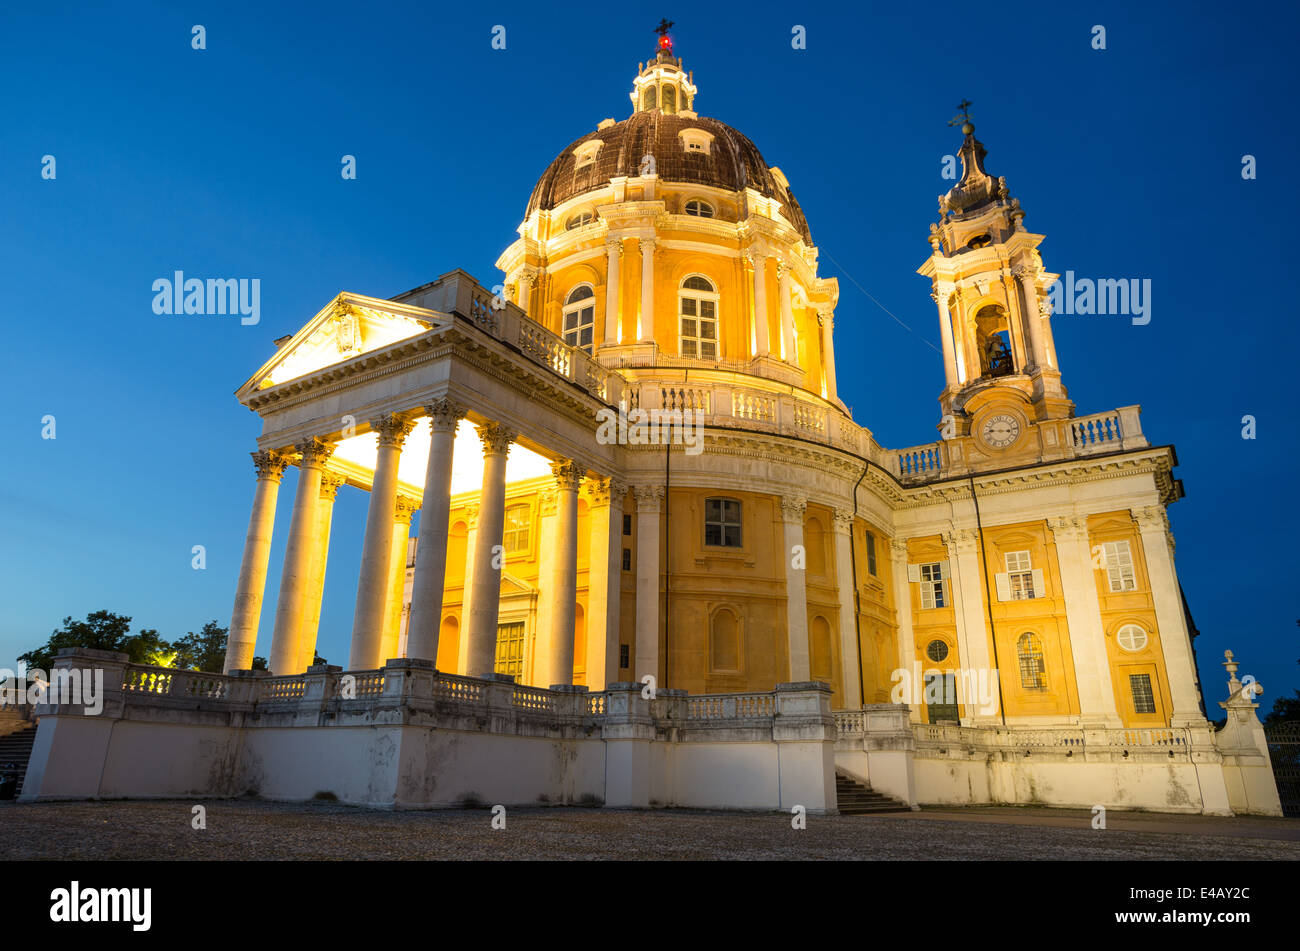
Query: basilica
[(757, 603)]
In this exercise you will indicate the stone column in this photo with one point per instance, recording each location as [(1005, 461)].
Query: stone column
[(1175, 642), (527, 277), (761, 346), (796, 594), (903, 611), (247, 612), (613, 287), (489, 556), (467, 589), (647, 290), (604, 565), (329, 490), (940, 295), (299, 559), (1028, 277), (787, 312), (972, 625), (850, 663), (826, 321), (1083, 615), (402, 512), (538, 668), (564, 579), (425, 623), (649, 503), (377, 546)]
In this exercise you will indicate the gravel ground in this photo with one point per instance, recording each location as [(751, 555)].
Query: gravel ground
[(245, 829)]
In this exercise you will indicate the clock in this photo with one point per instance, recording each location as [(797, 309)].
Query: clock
[(1000, 430)]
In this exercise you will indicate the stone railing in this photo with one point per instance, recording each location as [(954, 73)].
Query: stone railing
[(459, 294), (1107, 432), (919, 463), (1064, 739), (730, 706)]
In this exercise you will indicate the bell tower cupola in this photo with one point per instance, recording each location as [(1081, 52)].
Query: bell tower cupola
[(662, 83), (988, 281)]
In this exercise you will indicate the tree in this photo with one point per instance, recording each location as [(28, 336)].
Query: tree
[(204, 651), (1285, 709), (101, 630)]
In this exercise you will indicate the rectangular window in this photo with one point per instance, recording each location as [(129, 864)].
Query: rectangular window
[(722, 522), (932, 586), (627, 524), (510, 650), (1020, 576), (627, 559), (1119, 566), (871, 553), (1144, 698), (624, 657), (578, 327), (515, 536)]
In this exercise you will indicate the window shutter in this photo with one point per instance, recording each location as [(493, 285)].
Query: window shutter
[(913, 573), (945, 570), (1040, 586), (1003, 583)]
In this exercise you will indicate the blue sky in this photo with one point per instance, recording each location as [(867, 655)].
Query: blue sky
[(225, 162)]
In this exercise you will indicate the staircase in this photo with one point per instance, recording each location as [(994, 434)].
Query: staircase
[(15, 751), (859, 799)]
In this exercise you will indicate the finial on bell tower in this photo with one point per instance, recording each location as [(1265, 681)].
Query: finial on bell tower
[(988, 281)]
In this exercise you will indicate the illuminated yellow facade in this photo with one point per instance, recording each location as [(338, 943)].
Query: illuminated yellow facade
[(663, 267)]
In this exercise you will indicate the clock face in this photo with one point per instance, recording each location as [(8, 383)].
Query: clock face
[(1000, 431)]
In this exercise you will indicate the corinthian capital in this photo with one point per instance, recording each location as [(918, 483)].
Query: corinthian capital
[(648, 497), (404, 508), (1151, 518), (269, 464), (614, 244), (898, 549), (793, 507), (1068, 528), (330, 483), (496, 438), (648, 246), (314, 452), (392, 429), (568, 475), (444, 414), (843, 521), (961, 541)]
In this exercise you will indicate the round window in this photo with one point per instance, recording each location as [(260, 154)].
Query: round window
[(937, 651), (1131, 637)]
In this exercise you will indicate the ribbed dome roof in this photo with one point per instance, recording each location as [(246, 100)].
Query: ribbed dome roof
[(733, 162)]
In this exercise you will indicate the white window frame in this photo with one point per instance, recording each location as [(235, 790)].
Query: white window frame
[(692, 345), (1134, 645), (584, 311), (511, 533), (1117, 559), (931, 576)]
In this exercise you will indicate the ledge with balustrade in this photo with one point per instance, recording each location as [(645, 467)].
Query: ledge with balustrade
[(1114, 431), (1182, 743)]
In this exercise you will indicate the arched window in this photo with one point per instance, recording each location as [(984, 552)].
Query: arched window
[(724, 641), (648, 100), (698, 309), (579, 317), (700, 209), (1131, 638), (578, 220), (722, 522), (1033, 672), (669, 99), (516, 535)]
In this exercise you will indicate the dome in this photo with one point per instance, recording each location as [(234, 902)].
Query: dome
[(732, 162)]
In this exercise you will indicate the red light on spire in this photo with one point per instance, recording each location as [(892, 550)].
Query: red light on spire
[(666, 43)]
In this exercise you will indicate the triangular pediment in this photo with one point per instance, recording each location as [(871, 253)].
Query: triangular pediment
[(347, 327)]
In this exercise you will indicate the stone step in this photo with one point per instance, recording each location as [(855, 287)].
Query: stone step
[(16, 752), (854, 798)]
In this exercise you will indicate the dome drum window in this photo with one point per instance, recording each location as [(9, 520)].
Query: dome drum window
[(700, 209), (696, 141), (578, 220), (698, 319), (579, 317)]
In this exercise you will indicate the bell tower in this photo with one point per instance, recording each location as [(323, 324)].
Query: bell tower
[(988, 281)]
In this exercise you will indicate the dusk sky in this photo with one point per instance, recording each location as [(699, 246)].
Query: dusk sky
[(225, 163)]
